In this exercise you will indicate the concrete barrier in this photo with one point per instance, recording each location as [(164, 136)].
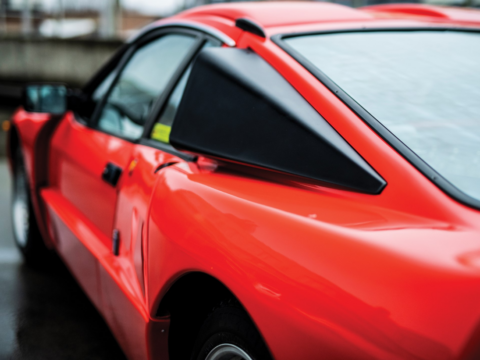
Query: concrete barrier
[(60, 60), (23, 60)]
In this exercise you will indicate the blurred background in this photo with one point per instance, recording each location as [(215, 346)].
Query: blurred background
[(67, 40)]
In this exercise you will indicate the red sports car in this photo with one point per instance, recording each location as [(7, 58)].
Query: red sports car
[(268, 181)]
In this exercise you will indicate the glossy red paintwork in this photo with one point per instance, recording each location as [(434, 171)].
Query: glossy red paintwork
[(324, 273)]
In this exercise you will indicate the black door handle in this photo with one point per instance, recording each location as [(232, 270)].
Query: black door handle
[(111, 174)]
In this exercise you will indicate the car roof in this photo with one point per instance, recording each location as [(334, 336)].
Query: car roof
[(293, 17), (274, 14)]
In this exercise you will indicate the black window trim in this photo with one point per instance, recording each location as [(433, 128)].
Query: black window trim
[(368, 118), (120, 60), (162, 101), (148, 38)]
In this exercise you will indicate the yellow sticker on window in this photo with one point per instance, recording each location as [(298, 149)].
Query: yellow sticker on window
[(161, 133)]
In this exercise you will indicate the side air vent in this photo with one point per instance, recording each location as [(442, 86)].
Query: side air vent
[(238, 108)]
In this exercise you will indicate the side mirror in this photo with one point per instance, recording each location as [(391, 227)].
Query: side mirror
[(45, 99)]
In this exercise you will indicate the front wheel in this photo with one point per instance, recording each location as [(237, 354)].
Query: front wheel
[(229, 334), (25, 229)]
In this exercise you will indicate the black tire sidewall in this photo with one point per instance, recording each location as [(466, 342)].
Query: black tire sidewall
[(230, 324), (34, 247)]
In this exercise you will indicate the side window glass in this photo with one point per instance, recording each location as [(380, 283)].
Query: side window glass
[(85, 108), (161, 129), (102, 89), (141, 82)]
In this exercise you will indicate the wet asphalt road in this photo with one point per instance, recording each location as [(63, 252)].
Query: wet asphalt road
[(44, 314)]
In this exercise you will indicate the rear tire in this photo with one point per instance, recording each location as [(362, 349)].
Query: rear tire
[(25, 229), (228, 333)]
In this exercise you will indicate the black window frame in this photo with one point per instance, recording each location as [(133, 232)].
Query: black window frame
[(431, 174), (141, 42), (160, 105), (118, 63)]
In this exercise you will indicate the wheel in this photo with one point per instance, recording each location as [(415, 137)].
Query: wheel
[(229, 334), (25, 229)]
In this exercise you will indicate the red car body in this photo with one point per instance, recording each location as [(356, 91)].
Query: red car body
[(324, 273)]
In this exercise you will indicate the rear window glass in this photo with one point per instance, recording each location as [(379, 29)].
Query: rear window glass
[(424, 86)]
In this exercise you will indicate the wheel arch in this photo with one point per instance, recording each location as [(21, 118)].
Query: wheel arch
[(188, 302)]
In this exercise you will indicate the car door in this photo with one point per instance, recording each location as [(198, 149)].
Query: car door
[(88, 160), (123, 280)]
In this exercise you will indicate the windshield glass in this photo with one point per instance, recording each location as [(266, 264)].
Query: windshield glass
[(424, 86)]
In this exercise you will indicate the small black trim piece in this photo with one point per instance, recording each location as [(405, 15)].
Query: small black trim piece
[(163, 166), (370, 120), (115, 242), (168, 149), (238, 108), (250, 26)]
